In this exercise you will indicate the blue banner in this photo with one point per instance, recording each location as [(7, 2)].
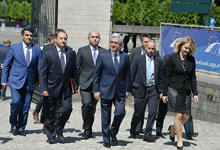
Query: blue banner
[(207, 43)]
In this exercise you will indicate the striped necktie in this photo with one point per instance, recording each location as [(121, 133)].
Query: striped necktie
[(62, 60)]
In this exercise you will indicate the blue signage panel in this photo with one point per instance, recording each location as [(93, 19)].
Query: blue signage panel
[(212, 22), (207, 43)]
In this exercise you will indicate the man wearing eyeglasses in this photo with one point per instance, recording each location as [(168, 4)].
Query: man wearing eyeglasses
[(146, 79)]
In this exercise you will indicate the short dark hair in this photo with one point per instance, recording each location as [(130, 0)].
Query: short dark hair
[(145, 35), (58, 31), (27, 29), (50, 37)]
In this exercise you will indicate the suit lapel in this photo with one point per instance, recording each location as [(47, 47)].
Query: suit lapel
[(156, 67), (33, 54), (55, 53), (139, 51), (144, 66), (121, 61), (67, 51), (178, 60), (89, 55), (21, 51)]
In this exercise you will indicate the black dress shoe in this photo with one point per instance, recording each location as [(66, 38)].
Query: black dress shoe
[(51, 141), (107, 145), (195, 134), (171, 138), (142, 131), (86, 134), (114, 139), (90, 134), (189, 136), (21, 133), (14, 130), (179, 147), (158, 132), (60, 137), (133, 134), (149, 140)]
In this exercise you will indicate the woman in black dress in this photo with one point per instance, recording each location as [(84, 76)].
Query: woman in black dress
[(179, 83)]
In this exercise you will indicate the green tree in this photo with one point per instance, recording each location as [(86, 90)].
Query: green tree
[(118, 12)]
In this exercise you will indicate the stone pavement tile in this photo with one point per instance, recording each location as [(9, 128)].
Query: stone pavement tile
[(208, 138)]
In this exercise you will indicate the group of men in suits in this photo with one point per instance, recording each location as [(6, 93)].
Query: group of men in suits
[(99, 74)]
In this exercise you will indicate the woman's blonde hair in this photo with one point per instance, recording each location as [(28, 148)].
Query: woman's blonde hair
[(184, 40)]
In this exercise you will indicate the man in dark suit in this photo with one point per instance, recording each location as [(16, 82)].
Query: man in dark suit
[(141, 50), (112, 80), (57, 67), (146, 79), (24, 60), (145, 38), (85, 62), (3, 52)]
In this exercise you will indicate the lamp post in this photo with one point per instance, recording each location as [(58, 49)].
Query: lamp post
[(4, 3)]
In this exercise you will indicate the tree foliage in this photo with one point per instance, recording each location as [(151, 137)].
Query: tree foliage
[(153, 12), (17, 9)]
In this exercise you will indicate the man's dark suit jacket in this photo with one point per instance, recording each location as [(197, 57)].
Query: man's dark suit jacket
[(177, 78), (52, 78), (137, 51), (85, 66), (138, 76), (3, 52), (107, 81)]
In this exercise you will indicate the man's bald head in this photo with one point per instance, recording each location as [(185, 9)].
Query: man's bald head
[(150, 48), (7, 41)]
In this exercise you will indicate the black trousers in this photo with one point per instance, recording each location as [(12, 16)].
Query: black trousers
[(57, 112), (88, 107), (162, 111), (151, 98)]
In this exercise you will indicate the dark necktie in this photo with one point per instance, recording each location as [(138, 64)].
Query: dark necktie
[(116, 62), (27, 56), (62, 60)]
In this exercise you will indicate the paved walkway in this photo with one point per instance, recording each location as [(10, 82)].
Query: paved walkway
[(208, 138)]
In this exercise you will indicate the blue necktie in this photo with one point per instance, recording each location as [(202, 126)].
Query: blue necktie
[(148, 71), (27, 56), (116, 62), (62, 60)]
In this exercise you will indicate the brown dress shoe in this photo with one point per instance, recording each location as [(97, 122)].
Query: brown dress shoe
[(36, 116), (2, 98)]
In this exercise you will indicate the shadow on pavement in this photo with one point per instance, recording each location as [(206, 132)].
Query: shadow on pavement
[(5, 140)]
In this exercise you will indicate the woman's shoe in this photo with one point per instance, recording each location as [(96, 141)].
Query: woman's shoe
[(171, 138), (179, 147)]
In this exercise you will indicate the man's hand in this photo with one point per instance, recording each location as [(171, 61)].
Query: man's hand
[(161, 96), (1, 65), (97, 96), (165, 99), (196, 99), (128, 94), (4, 85), (77, 91), (45, 93)]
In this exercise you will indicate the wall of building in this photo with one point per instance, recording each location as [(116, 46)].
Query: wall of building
[(78, 17)]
